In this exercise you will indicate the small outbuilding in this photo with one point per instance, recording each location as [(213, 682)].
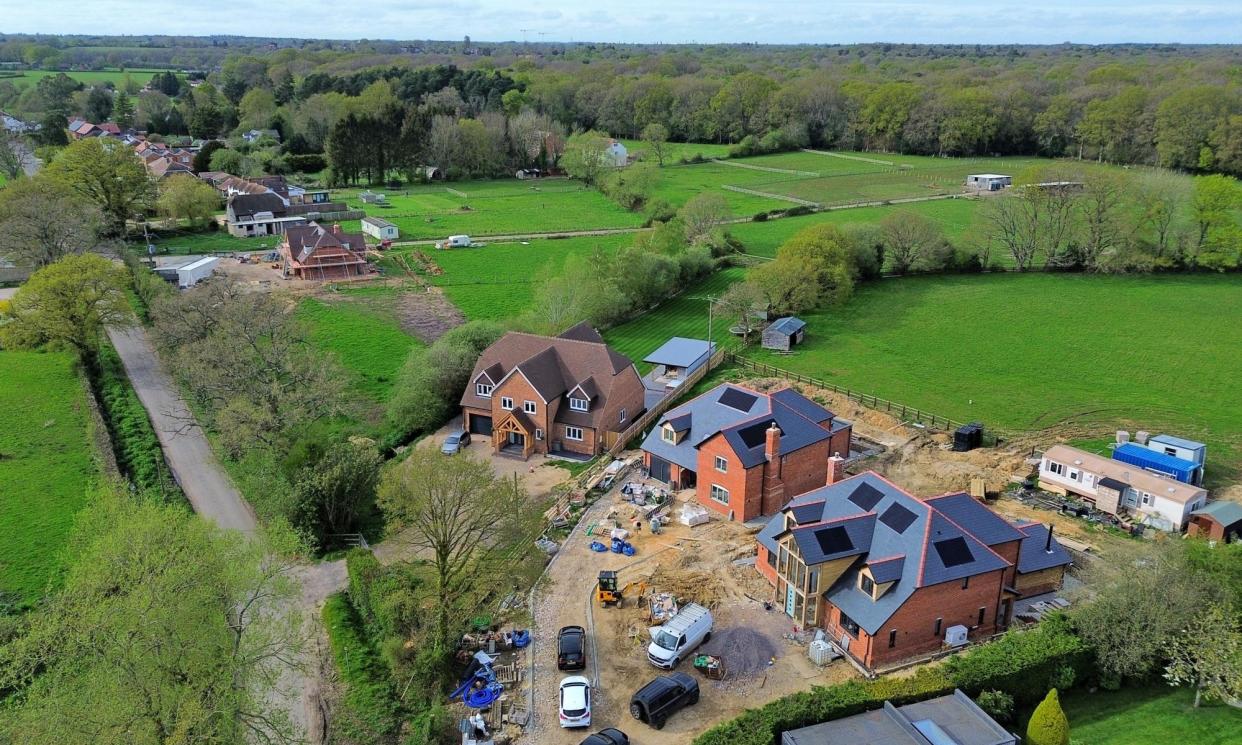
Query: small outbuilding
[(379, 228), (1219, 521), (988, 181), (784, 333), (371, 197)]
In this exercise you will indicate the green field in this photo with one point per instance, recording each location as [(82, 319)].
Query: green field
[(684, 315), (677, 151), (46, 466), (365, 338), (1082, 355), (92, 77), (1149, 715)]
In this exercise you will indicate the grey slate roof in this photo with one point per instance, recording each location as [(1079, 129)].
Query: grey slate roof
[(679, 352), (945, 720), (909, 557), (982, 523), (856, 532), (1031, 554), (740, 428)]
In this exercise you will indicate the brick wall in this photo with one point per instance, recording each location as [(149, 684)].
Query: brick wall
[(768, 571), (745, 486), (839, 443)]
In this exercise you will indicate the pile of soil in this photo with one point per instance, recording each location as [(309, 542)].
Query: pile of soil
[(745, 650)]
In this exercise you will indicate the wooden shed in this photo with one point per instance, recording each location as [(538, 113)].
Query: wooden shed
[(784, 333)]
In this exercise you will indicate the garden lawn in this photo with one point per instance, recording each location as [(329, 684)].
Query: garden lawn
[(684, 315), (763, 238), (1085, 355), (1149, 715), (367, 341), (46, 466), (219, 241)]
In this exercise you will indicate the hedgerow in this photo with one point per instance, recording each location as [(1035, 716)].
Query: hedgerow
[(369, 709)]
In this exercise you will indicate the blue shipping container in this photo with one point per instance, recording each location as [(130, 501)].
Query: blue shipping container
[(1150, 460)]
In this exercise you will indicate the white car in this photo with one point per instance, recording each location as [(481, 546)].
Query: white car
[(575, 702)]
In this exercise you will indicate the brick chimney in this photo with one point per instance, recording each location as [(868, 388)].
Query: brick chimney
[(836, 469), (772, 497), (772, 449), (336, 228)]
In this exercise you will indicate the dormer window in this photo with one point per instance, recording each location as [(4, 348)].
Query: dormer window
[(578, 404), (483, 389), (866, 584), (668, 435)]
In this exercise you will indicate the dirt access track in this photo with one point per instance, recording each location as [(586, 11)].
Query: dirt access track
[(695, 564)]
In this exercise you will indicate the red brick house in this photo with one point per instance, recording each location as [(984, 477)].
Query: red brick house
[(315, 252), (745, 452), (890, 576), (542, 394)]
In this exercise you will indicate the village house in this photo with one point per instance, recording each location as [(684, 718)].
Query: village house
[(551, 395), (746, 452), (264, 213), (890, 576), (1120, 488), (315, 252)]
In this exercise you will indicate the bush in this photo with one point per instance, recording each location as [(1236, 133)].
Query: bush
[(760, 217), (1048, 725), (799, 210), (138, 451), (997, 704), (369, 711), (1023, 662)]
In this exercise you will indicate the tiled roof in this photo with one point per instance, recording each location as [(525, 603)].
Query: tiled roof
[(974, 517), (1033, 554)]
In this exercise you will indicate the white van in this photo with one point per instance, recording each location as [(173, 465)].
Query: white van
[(675, 640)]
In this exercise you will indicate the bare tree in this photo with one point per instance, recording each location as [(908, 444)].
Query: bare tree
[(909, 239), (702, 214), (1163, 196), (1014, 223), (42, 220)]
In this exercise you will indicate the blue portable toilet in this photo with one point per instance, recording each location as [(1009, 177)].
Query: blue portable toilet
[(1156, 462)]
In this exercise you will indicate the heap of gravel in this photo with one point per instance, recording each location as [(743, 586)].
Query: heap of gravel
[(745, 650)]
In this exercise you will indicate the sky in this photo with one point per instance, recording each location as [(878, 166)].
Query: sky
[(673, 21)]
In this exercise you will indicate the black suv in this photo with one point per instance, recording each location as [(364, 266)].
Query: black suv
[(571, 648), (607, 736), (655, 702)]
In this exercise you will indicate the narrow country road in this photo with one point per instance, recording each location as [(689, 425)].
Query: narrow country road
[(189, 456)]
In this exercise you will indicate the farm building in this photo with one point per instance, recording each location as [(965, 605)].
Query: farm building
[(890, 576), (188, 273), (784, 333), (315, 252), (553, 395), (1119, 488), (379, 228), (988, 181), (922, 723), (1219, 521), (746, 452)]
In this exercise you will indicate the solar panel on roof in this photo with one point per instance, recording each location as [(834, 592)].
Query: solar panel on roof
[(897, 517), (755, 435), (740, 400), (953, 552), (866, 496), (834, 540)]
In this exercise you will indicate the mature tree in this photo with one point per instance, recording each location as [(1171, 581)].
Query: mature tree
[(1140, 601), (1055, 126), (164, 629), (1014, 221), (1105, 221), (814, 266), (256, 109), (202, 159), (886, 112), (1184, 124), (586, 156), (1162, 197), (910, 240), (42, 220), (655, 137), (469, 524), (702, 214), (1208, 655), (1213, 205), (332, 493), (631, 187), (69, 302), (184, 197), (123, 110), (581, 291), (1048, 724), (108, 174), (232, 162), (10, 159), (98, 105), (248, 364), (742, 305)]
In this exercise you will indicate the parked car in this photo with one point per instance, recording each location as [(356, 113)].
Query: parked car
[(607, 736), (655, 702), (455, 442), (575, 702), (571, 648), (672, 642)]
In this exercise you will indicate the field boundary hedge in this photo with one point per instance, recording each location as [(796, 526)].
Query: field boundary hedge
[(369, 709)]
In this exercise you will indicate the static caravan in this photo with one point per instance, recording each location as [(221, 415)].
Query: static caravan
[(988, 181)]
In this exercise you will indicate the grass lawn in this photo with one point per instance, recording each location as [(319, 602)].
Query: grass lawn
[(46, 465), (178, 243), (1083, 354), (684, 315), (1149, 715), (367, 341), (763, 238)]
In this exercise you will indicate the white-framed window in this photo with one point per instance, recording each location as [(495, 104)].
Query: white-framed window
[(506, 403), (578, 404), (1146, 499), (624, 415), (722, 464), (483, 389), (1074, 475), (538, 434), (573, 433), (668, 435), (528, 407), (1057, 468), (720, 494)]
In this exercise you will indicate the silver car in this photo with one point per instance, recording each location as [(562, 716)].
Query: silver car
[(455, 442)]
